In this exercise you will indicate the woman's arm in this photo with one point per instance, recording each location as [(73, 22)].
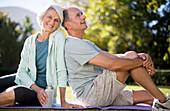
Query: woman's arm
[(63, 100), (22, 76), (41, 94)]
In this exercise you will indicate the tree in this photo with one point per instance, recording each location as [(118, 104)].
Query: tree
[(9, 33), (12, 36), (80, 3), (119, 26), (27, 29), (161, 37)]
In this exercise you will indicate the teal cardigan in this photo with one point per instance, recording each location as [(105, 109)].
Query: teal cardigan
[(56, 70)]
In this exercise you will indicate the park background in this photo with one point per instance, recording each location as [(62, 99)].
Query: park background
[(115, 26)]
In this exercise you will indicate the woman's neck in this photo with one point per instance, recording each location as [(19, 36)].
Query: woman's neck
[(43, 36)]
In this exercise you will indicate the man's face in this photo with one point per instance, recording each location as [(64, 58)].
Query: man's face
[(77, 19)]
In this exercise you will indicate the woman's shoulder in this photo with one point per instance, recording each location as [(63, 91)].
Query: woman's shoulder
[(59, 35), (31, 37)]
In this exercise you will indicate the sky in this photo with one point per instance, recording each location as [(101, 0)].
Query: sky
[(32, 5)]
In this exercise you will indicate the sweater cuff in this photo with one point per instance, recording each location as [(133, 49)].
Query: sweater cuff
[(29, 84)]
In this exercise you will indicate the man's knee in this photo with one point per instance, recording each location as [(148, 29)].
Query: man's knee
[(131, 54), (122, 76)]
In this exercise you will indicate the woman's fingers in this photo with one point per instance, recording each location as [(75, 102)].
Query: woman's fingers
[(42, 96)]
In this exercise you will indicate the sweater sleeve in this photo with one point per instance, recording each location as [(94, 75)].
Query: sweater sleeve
[(61, 67), (23, 76)]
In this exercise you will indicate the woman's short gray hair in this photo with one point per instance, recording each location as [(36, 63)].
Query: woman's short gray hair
[(44, 10)]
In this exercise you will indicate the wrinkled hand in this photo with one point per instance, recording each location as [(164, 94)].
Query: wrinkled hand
[(42, 96), (68, 105), (148, 63), (147, 59)]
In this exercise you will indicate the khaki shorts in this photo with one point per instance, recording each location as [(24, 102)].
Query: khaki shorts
[(107, 90)]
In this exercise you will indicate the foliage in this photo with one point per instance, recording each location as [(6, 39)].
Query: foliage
[(9, 33), (27, 29), (119, 26), (80, 3), (12, 35)]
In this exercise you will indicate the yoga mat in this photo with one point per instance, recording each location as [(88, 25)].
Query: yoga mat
[(58, 106)]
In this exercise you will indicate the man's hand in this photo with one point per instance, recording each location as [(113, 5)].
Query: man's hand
[(68, 105), (152, 69), (148, 63), (147, 59)]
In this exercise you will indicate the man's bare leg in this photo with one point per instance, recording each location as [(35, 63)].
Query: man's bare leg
[(139, 96), (142, 96), (7, 98), (141, 76)]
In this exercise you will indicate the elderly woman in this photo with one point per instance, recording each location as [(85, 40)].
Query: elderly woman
[(42, 63)]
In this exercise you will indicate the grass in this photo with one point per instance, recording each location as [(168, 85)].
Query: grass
[(69, 93), (164, 89)]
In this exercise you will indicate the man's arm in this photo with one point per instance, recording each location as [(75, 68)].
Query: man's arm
[(111, 55), (128, 54), (115, 62)]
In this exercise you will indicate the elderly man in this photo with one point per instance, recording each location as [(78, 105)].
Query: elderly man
[(98, 77)]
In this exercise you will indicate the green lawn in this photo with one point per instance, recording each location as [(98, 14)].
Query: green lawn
[(69, 93)]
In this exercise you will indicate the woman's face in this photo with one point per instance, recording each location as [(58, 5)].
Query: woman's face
[(50, 21)]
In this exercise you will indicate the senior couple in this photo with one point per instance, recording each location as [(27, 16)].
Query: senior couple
[(97, 78)]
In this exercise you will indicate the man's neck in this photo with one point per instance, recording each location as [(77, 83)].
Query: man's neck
[(76, 34)]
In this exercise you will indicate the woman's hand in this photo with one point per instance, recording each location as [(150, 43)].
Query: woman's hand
[(63, 100), (42, 96)]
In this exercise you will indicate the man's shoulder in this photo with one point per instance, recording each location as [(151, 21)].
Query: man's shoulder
[(70, 38), (74, 41), (76, 44)]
